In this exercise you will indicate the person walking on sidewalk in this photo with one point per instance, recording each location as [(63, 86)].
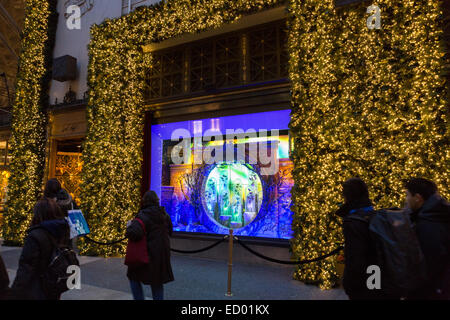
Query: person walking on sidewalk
[(158, 227), (4, 280), (431, 215), (359, 250), (47, 227)]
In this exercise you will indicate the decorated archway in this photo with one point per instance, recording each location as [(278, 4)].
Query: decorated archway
[(113, 149)]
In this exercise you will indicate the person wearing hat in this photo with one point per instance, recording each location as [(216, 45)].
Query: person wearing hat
[(52, 187), (66, 203), (158, 229), (359, 249)]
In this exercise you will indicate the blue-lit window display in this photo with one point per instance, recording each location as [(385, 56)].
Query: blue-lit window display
[(250, 194)]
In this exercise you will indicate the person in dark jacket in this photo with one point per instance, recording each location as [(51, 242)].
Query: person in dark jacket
[(359, 250), (48, 227), (4, 280), (158, 229), (431, 215)]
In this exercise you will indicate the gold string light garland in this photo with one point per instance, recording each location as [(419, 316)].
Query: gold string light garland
[(29, 118)]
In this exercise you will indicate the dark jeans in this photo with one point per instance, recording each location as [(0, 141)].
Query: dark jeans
[(138, 291)]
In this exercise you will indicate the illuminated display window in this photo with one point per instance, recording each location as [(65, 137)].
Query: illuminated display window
[(221, 173)]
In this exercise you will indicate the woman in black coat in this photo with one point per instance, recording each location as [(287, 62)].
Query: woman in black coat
[(47, 227), (158, 229), (359, 250)]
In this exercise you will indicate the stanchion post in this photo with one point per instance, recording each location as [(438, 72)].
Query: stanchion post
[(230, 262)]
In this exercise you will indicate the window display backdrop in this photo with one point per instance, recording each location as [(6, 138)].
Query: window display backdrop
[(211, 198)]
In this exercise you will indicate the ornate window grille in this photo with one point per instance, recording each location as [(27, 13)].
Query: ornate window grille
[(68, 172), (268, 54), (249, 56), (165, 77)]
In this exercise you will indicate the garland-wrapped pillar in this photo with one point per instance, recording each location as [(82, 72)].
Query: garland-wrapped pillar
[(112, 154), (29, 118), (367, 103)]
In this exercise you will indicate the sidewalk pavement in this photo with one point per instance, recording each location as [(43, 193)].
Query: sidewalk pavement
[(195, 279)]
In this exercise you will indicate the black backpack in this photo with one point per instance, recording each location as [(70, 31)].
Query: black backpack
[(398, 251), (54, 279)]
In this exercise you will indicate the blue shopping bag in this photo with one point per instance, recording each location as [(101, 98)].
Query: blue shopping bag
[(77, 223)]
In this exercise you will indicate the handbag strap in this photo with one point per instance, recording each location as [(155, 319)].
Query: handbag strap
[(142, 224)]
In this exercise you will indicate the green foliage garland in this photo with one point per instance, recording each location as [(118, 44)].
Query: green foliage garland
[(29, 119), (367, 103)]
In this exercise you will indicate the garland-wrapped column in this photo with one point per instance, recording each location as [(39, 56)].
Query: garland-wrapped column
[(367, 103), (29, 119), (112, 154)]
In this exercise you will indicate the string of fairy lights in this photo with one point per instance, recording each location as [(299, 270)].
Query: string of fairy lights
[(365, 102)]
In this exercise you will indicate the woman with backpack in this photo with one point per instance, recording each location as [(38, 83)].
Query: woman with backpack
[(158, 228), (48, 228)]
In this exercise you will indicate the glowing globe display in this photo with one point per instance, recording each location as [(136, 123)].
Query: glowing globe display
[(232, 194)]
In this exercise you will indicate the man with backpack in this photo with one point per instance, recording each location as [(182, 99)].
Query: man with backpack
[(359, 251), (431, 215)]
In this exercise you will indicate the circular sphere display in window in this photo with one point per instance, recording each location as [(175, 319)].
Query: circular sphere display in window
[(232, 194)]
